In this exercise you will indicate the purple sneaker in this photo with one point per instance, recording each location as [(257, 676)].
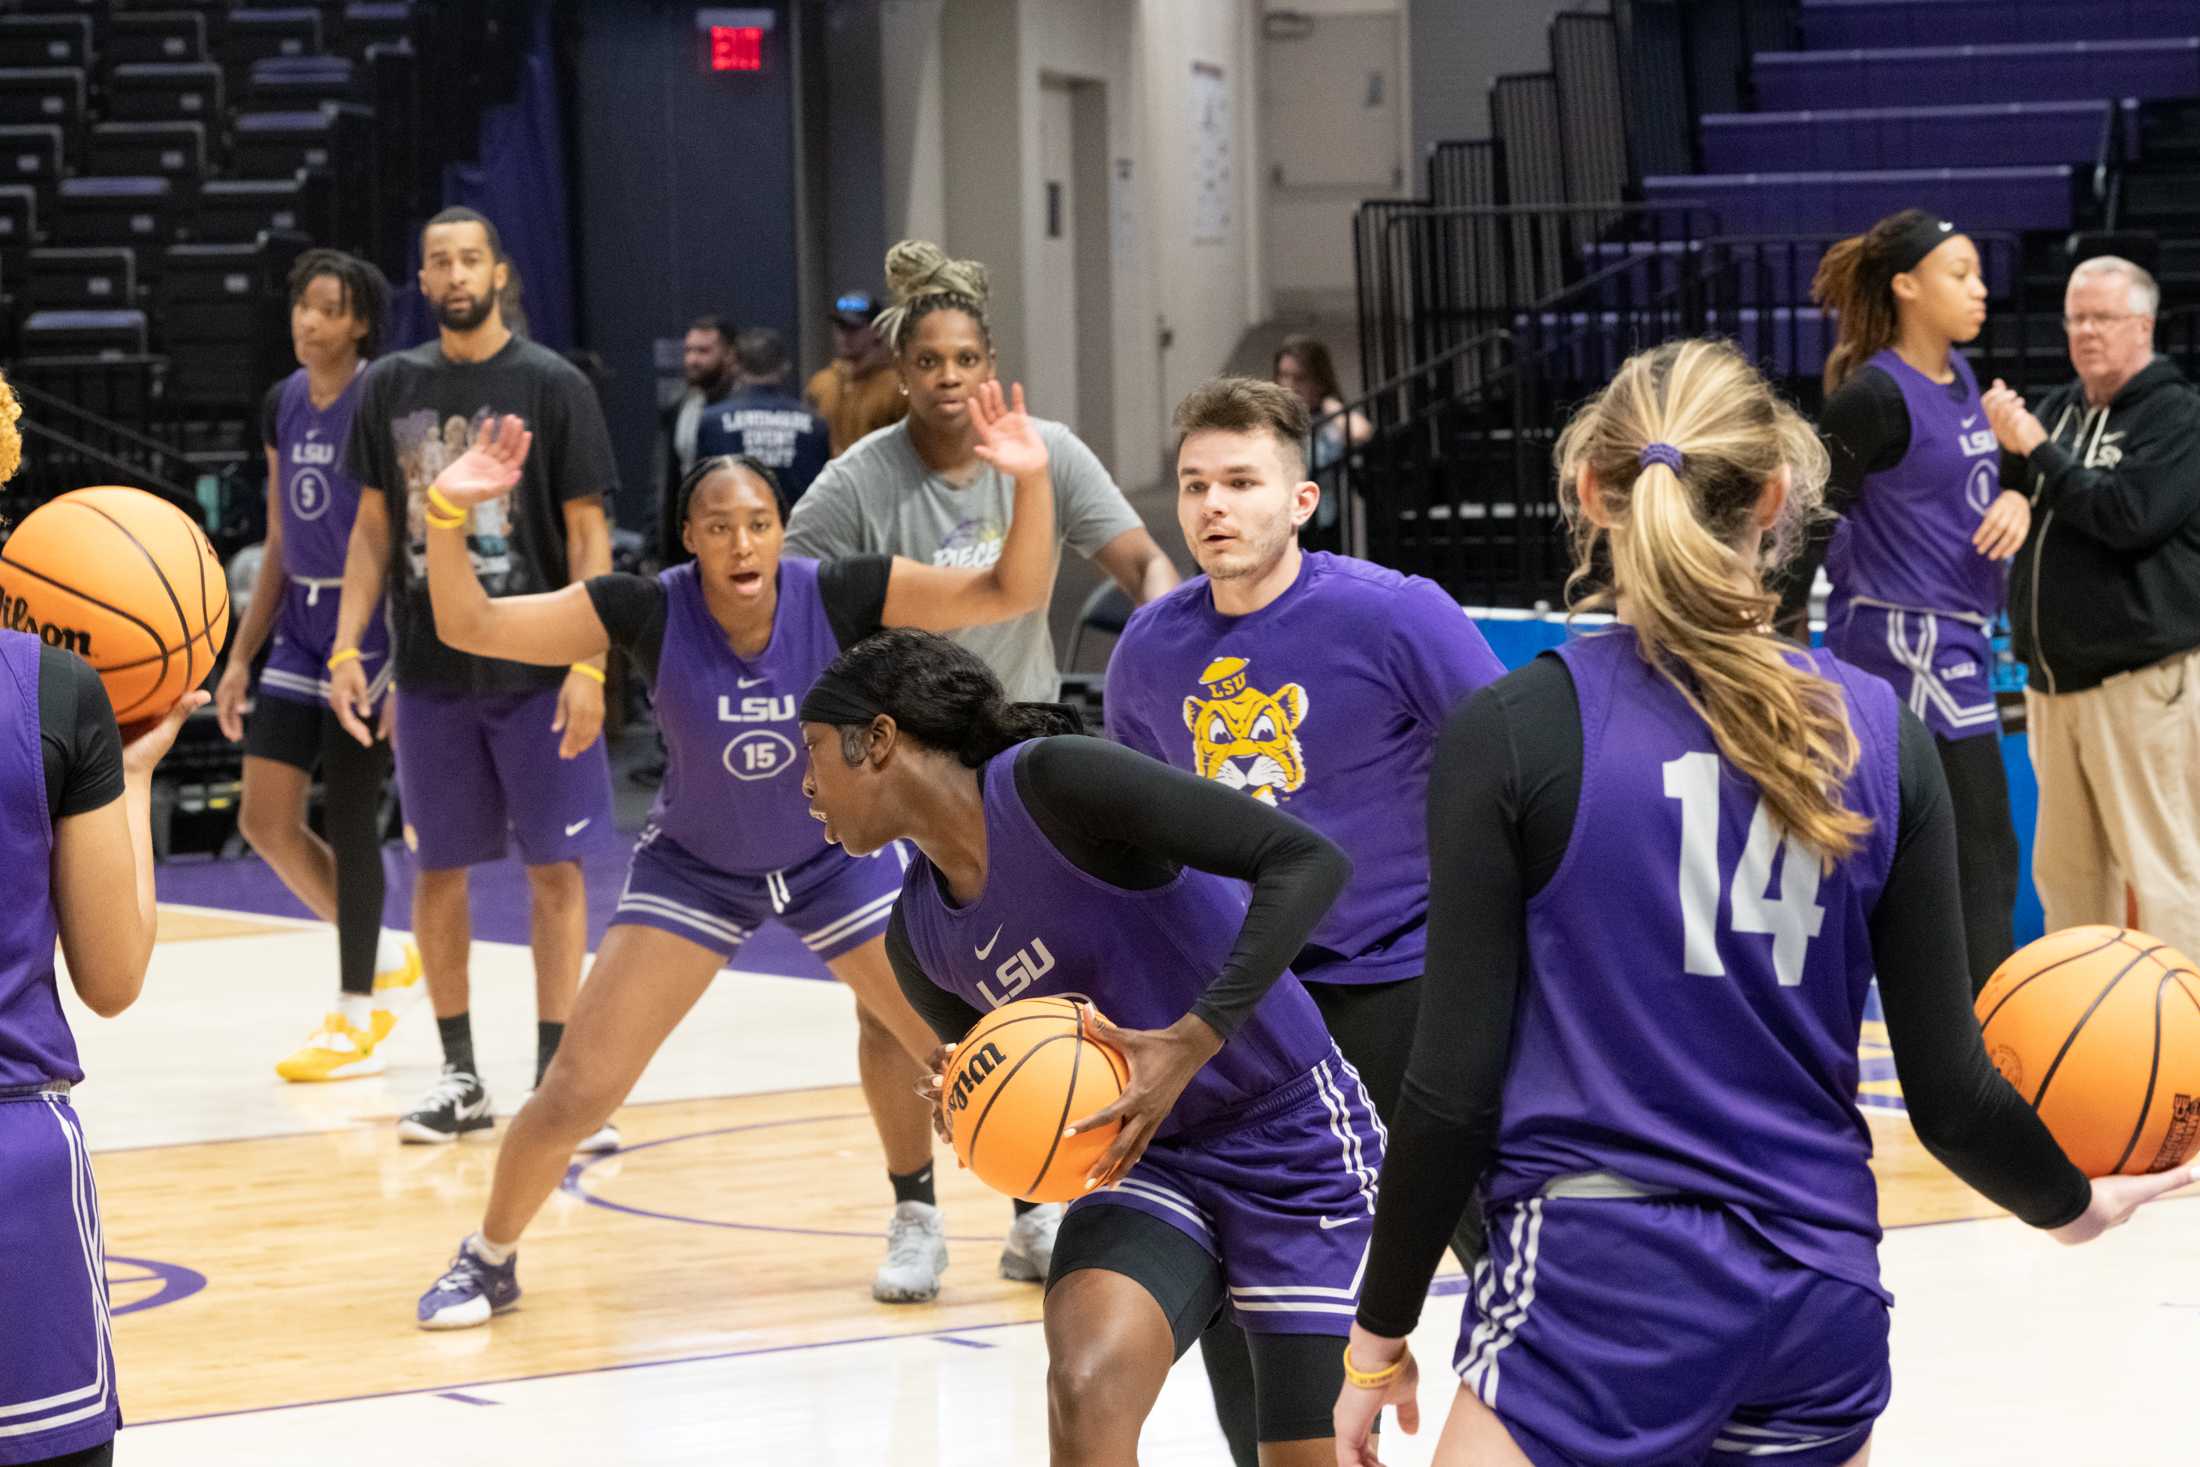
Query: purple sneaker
[(470, 1291)]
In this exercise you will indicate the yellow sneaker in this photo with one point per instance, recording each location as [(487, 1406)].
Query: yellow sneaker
[(339, 1051), (398, 979)]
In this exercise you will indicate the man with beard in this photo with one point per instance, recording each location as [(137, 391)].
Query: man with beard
[(707, 367), (1317, 684), (488, 751)]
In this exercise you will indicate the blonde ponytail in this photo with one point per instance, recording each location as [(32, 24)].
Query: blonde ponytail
[(11, 437), (1688, 559)]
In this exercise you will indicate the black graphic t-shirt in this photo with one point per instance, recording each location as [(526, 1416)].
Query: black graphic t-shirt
[(417, 412)]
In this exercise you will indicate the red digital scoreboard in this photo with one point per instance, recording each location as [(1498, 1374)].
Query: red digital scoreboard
[(733, 39)]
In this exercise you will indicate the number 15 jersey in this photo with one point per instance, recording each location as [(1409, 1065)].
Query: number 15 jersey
[(1696, 982)]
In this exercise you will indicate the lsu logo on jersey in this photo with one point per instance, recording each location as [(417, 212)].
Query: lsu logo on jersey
[(1245, 738)]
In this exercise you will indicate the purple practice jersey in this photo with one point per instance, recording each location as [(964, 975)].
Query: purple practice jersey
[(1044, 927), (318, 499), (35, 1043), (1906, 541), (732, 794), (1696, 984), (1325, 703)]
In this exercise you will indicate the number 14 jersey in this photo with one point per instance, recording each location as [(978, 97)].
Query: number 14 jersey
[(1696, 982)]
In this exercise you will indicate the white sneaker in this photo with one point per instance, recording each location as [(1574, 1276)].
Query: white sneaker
[(603, 1139), (1029, 1251), (916, 1251)]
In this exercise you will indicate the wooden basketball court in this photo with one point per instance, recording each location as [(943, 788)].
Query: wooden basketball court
[(703, 1295)]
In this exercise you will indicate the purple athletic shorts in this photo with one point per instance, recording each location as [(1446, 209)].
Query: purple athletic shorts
[(835, 901), (479, 770), (1284, 1200), (57, 1358), (1941, 666), (305, 634), (1627, 1332)]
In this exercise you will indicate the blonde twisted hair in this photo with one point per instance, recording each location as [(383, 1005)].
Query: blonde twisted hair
[(1689, 559), (922, 279), (11, 437)]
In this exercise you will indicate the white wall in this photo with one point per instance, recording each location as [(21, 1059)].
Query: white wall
[(961, 96)]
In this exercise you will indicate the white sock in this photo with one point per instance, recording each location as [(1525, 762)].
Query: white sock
[(489, 1252), (389, 952), (357, 1009)]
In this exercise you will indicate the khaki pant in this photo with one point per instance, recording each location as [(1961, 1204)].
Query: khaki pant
[(2118, 840)]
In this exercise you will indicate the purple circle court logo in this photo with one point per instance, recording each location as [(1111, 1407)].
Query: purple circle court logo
[(144, 1283)]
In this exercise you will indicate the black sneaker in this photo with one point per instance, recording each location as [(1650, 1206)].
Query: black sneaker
[(457, 1104)]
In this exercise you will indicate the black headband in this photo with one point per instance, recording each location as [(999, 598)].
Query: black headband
[(1928, 233), (837, 699)]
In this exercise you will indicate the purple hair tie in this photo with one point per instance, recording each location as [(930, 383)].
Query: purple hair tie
[(1662, 453)]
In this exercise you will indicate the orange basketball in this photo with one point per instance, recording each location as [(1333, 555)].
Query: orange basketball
[(2099, 1028), (128, 582), (1020, 1075)]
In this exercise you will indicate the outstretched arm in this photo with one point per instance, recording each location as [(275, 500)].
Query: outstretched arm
[(942, 598)]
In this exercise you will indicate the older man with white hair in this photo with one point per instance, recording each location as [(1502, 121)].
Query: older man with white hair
[(2105, 600)]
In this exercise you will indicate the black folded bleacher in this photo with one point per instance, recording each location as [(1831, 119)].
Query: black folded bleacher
[(302, 82), (376, 24), (175, 151), (18, 223), (155, 36), (223, 310), (256, 35), (84, 334), (33, 154), (104, 211), (95, 279), (239, 210), (45, 40), (43, 94), (162, 91)]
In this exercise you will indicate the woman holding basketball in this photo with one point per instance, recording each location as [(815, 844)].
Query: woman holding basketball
[(1637, 1042), (727, 643), (1243, 1172), (76, 830), (338, 306), (1919, 560)]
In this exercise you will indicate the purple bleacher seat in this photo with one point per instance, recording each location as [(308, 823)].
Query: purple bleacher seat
[(1977, 135), (1588, 345), (1847, 202), (1830, 25), (115, 211), (84, 333), (1791, 81)]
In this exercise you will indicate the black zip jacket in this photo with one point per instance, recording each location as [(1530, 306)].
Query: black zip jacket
[(2109, 578)]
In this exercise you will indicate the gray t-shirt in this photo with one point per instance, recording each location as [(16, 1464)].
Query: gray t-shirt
[(878, 498)]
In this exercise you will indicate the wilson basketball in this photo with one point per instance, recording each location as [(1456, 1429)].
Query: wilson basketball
[(1020, 1075), (2099, 1029), (128, 582)]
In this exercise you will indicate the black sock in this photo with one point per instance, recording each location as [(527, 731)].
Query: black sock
[(914, 1186), (457, 1033), (547, 1037), (1023, 1207)]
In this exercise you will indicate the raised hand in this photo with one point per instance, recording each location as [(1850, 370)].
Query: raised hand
[(490, 468), (1007, 438)]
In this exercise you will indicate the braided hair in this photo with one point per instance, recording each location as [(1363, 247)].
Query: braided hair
[(705, 467), (922, 280), (366, 292)]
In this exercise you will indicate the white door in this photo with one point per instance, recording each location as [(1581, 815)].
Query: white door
[(1050, 377), (1331, 120)]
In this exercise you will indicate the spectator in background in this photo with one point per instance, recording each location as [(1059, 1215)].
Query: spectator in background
[(858, 392), (706, 364), (919, 488), (1302, 365), (2105, 601), (759, 418)]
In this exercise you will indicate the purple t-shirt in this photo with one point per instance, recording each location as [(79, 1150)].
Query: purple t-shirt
[(1042, 927), (1681, 919), (35, 1042), (318, 499), (1906, 541), (1325, 703)]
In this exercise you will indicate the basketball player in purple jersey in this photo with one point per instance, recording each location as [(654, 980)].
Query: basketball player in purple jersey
[(1919, 560), (727, 643), (1315, 683), (489, 752), (1245, 1167), (338, 307), (1665, 862), (76, 832)]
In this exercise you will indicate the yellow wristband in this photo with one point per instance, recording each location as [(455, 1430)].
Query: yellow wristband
[(439, 523), (594, 672), (341, 656), (438, 505), (1373, 1380)]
